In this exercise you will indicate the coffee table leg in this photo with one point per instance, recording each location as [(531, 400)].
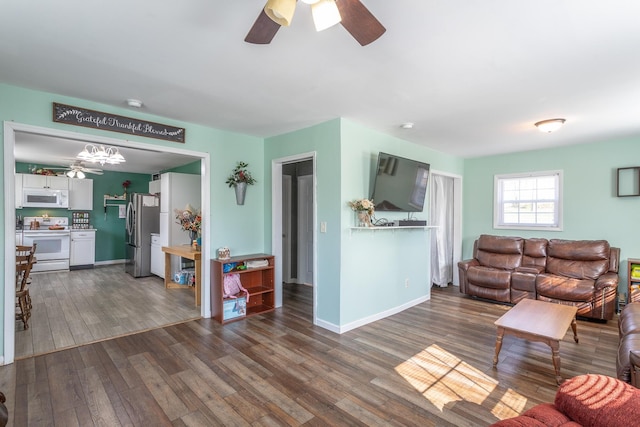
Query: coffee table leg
[(555, 356), (498, 345), (574, 327)]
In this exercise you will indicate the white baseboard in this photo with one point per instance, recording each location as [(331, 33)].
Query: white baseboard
[(369, 319)]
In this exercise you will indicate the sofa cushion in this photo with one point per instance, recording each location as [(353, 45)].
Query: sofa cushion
[(501, 252), (564, 288), (599, 401), (579, 259), (535, 252), (489, 277)]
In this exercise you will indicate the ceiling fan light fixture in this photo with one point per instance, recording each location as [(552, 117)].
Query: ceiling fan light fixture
[(550, 125), (80, 174), (325, 14), (71, 173), (310, 1), (280, 11)]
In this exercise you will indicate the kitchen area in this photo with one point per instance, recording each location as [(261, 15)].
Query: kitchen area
[(92, 280)]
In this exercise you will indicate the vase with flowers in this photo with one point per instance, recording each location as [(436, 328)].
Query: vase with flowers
[(125, 185), (190, 220), (239, 179), (364, 209)]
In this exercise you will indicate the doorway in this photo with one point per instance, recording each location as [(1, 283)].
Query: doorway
[(294, 232), (14, 130)]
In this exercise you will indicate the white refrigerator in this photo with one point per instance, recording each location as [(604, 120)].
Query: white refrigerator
[(177, 190)]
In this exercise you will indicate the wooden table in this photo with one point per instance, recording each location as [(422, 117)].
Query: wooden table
[(538, 321), (185, 251)]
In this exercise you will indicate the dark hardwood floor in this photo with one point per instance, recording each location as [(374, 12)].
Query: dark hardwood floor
[(430, 365)]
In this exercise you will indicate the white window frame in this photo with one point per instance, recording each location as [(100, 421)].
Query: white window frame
[(498, 220)]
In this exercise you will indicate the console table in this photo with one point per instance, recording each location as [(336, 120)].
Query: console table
[(185, 251)]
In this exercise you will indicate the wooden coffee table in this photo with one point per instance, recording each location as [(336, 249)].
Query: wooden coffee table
[(538, 321)]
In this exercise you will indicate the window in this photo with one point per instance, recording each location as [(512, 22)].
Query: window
[(528, 201)]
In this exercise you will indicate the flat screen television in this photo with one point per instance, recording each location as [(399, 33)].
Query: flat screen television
[(400, 184)]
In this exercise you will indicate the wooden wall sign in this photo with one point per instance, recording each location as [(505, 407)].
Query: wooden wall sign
[(96, 120)]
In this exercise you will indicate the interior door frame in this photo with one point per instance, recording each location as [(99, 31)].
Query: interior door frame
[(10, 131), (276, 223), (304, 208)]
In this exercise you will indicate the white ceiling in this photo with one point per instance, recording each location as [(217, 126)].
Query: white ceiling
[(472, 75)]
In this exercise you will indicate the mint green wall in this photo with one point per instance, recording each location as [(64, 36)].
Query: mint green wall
[(110, 241), (239, 227), (378, 265), (591, 208), (324, 139)]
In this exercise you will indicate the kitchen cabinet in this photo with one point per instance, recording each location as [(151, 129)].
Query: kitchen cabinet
[(155, 187), (82, 250), (157, 257), (18, 191), (45, 181), (80, 194)]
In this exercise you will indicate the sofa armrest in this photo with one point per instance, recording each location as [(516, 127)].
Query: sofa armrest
[(634, 359), (607, 280), (464, 265)]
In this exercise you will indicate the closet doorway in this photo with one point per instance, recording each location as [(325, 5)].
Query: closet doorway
[(297, 234)]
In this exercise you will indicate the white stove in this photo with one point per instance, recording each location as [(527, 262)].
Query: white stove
[(52, 238)]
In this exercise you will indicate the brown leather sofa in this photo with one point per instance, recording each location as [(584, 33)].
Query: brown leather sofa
[(507, 269), (628, 362)]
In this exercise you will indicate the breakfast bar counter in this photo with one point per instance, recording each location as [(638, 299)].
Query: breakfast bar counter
[(185, 251)]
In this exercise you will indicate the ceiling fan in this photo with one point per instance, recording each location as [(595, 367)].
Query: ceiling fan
[(352, 14), (78, 170)]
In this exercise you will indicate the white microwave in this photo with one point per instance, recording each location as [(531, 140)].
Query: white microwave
[(45, 198)]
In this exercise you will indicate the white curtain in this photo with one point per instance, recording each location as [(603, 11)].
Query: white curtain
[(441, 215)]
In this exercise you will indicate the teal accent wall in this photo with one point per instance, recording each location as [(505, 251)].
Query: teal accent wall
[(190, 168), (110, 237), (591, 208)]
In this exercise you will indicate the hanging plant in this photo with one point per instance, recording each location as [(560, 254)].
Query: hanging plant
[(240, 174)]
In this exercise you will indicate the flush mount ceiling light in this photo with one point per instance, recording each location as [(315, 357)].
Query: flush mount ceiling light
[(135, 103), (407, 125), (101, 154), (550, 125)]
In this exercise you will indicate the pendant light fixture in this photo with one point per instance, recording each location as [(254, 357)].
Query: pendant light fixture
[(101, 154)]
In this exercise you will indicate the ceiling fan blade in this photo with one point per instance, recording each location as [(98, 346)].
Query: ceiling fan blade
[(356, 18), (263, 30), (93, 171)]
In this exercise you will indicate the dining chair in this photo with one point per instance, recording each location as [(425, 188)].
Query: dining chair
[(25, 257)]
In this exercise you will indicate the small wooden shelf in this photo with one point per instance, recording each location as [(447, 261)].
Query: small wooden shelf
[(633, 285), (258, 281)]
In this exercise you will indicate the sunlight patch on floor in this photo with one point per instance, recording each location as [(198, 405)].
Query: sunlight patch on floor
[(444, 379)]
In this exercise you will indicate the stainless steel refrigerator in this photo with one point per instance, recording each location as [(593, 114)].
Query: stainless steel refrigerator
[(143, 218)]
